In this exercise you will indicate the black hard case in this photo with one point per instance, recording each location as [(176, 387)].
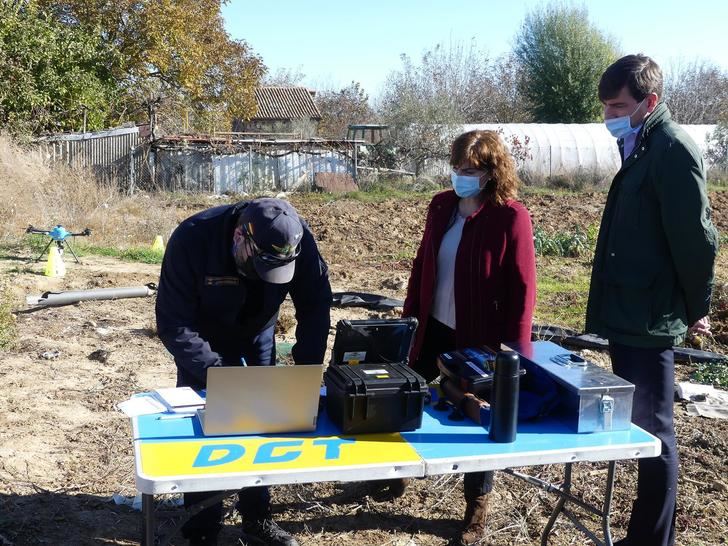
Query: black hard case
[(378, 392), (368, 398)]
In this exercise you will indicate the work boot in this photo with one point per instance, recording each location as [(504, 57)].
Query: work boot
[(265, 533), (397, 487), (476, 512), (384, 490)]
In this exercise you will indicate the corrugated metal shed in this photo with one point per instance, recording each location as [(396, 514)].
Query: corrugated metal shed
[(285, 103)]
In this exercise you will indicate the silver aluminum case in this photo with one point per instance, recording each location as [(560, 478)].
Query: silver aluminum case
[(592, 399)]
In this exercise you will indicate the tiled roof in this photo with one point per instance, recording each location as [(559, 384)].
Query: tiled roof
[(285, 103)]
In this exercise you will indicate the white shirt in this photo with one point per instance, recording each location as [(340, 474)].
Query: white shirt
[(443, 305)]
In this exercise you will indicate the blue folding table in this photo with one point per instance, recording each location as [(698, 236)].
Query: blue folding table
[(173, 456)]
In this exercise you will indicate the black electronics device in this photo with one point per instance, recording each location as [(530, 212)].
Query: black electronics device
[(369, 386), (373, 341)]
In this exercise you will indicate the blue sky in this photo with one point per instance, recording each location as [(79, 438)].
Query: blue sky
[(334, 42)]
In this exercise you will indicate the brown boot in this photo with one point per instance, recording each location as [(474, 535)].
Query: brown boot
[(389, 489), (476, 512), (397, 487)]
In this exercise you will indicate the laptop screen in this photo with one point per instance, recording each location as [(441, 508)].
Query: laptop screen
[(261, 399)]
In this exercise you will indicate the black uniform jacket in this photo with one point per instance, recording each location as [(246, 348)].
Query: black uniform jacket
[(209, 315)]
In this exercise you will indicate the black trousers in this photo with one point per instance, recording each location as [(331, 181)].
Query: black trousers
[(440, 338), (653, 373), (253, 505)]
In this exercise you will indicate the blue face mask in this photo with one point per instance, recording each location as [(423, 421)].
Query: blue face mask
[(465, 186), (622, 126)]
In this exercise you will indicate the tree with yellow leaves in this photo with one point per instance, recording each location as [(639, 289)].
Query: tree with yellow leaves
[(175, 54)]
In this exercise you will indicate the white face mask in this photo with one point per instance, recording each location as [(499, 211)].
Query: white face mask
[(465, 186), (622, 126)]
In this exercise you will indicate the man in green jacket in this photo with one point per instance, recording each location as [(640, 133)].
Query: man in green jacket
[(653, 272)]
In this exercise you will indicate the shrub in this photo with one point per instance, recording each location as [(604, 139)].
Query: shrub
[(568, 244)]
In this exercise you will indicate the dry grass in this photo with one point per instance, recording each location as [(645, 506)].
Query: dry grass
[(44, 195)]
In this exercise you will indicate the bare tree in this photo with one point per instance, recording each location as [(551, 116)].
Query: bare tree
[(341, 108), (696, 92), (283, 77), (508, 104), (425, 103)]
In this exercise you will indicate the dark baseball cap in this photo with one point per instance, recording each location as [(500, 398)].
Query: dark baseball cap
[(276, 230)]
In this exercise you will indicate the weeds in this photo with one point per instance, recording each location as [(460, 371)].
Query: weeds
[(563, 290), (7, 319), (712, 373), (37, 193), (132, 254), (565, 244), (576, 180)]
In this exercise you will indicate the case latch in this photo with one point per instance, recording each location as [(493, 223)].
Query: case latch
[(606, 408)]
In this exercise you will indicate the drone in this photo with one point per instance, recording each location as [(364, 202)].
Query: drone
[(58, 234)]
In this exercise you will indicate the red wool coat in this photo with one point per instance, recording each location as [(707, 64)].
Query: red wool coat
[(495, 274)]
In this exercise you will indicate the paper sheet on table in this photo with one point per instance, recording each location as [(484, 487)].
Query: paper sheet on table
[(142, 404), (177, 398)]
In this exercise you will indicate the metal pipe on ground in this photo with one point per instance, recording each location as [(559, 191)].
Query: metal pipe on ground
[(56, 299)]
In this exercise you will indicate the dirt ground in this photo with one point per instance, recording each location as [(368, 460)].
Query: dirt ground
[(65, 450)]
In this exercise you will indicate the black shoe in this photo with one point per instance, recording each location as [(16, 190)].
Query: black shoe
[(265, 533), (203, 540)]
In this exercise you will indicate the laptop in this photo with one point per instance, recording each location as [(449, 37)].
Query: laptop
[(261, 399)]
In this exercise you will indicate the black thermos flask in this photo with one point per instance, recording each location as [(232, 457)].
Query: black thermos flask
[(504, 398)]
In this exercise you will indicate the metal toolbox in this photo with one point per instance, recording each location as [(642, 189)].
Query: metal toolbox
[(591, 398)]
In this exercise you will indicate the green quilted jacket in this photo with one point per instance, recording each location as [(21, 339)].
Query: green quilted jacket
[(653, 266)]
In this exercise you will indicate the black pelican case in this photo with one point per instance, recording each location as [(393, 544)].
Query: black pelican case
[(369, 387)]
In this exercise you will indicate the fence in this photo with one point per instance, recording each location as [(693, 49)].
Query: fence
[(129, 159), (247, 166), (113, 156)]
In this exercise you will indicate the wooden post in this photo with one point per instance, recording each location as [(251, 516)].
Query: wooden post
[(250, 167), (132, 173), (356, 166)]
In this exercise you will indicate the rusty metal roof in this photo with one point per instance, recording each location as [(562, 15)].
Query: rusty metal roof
[(281, 103)]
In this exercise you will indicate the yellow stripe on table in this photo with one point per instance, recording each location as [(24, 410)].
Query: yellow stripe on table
[(238, 454)]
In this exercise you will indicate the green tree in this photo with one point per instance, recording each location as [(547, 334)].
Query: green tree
[(563, 56), (51, 75), (175, 53)]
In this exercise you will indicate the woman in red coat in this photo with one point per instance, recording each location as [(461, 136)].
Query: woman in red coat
[(473, 281)]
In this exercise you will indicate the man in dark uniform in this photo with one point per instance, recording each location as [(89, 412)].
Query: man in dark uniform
[(225, 273)]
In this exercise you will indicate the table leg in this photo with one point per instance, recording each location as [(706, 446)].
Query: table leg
[(564, 494), (566, 488), (149, 524), (607, 510)]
